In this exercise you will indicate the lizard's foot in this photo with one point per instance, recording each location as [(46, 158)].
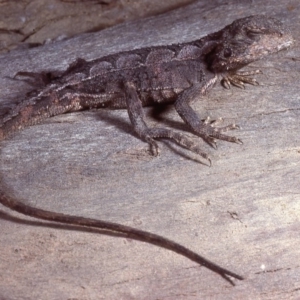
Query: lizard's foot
[(240, 78), (179, 138), (219, 121), (210, 132)]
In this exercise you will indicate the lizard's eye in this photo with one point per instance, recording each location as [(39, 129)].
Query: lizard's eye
[(227, 52)]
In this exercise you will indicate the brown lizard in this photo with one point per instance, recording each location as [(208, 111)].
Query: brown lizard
[(178, 74)]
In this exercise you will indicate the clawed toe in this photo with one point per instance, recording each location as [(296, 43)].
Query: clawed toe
[(216, 123), (212, 133), (153, 145), (239, 79), (210, 140), (239, 141), (227, 128)]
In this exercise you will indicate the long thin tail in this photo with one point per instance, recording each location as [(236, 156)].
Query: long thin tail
[(118, 228)]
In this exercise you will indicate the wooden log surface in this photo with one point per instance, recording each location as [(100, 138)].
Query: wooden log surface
[(242, 213)]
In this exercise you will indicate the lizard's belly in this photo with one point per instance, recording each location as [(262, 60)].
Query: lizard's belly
[(159, 96)]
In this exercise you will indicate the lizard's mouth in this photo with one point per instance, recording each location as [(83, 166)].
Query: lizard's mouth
[(265, 45)]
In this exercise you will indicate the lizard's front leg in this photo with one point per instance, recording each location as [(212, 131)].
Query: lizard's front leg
[(136, 115), (204, 129)]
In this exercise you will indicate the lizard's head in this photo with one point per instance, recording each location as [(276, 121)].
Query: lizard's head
[(247, 40)]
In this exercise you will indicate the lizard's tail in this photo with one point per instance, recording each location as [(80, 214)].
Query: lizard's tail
[(117, 228)]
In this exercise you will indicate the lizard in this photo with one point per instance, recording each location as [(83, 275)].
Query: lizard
[(177, 73)]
